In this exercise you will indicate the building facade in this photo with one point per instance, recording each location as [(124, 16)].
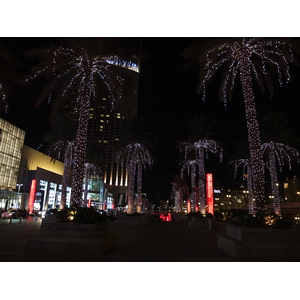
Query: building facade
[(106, 127), (11, 144)]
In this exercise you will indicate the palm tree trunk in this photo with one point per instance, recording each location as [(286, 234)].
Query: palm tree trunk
[(201, 182), (193, 184), (131, 174), (64, 183), (273, 174), (80, 143), (250, 191), (139, 189), (253, 135)]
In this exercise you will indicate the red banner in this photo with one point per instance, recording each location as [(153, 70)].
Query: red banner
[(209, 193)]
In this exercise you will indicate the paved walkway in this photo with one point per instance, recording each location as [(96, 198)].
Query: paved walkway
[(155, 242)]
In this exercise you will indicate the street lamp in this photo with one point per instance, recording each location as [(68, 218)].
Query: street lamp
[(19, 186)]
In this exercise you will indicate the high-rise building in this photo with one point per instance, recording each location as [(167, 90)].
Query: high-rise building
[(106, 127)]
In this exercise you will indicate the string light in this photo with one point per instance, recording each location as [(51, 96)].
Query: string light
[(136, 157), (179, 190), (76, 72), (65, 150), (241, 57), (201, 149), (190, 166), (246, 170), (277, 152)]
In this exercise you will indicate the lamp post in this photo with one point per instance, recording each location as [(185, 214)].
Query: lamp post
[(19, 186)]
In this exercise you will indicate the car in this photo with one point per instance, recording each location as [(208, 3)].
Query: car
[(14, 213)]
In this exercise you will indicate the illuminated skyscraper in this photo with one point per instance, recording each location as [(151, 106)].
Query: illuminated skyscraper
[(106, 127)]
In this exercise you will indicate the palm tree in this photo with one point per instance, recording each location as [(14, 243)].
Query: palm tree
[(61, 144), (276, 135), (246, 57), (74, 72), (245, 163), (179, 190), (191, 166), (134, 152), (277, 152), (9, 76), (199, 142)]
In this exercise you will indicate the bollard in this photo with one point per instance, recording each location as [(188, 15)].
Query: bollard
[(35, 218)]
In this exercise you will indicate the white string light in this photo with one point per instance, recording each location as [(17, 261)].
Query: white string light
[(241, 57)]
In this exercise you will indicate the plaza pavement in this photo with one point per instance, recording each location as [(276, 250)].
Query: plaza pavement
[(155, 242)]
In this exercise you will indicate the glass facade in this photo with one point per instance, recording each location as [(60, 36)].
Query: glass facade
[(49, 195), (11, 143)]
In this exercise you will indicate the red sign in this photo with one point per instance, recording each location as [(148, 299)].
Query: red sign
[(209, 193), (32, 195)]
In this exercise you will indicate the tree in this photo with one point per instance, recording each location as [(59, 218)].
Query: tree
[(191, 166), (74, 72), (135, 152), (198, 141), (245, 163), (246, 58), (179, 191), (9, 76), (276, 135), (60, 144)]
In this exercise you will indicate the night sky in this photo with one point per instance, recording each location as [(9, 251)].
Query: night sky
[(167, 98)]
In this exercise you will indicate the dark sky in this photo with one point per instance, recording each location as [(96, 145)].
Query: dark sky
[(167, 98)]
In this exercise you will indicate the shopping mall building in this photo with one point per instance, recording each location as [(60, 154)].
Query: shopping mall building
[(32, 180)]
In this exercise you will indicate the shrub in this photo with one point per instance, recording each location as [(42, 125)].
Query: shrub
[(262, 221), (199, 215), (80, 215), (249, 221)]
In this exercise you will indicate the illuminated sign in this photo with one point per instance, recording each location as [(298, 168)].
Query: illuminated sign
[(209, 193), (32, 194)]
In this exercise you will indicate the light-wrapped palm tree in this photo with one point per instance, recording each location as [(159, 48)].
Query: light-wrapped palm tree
[(135, 154), (201, 145), (136, 157), (276, 136), (9, 76), (60, 144), (179, 191), (75, 71), (245, 59), (190, 166), (245, 163), (276, 155)]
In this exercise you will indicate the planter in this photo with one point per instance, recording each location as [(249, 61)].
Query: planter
[(178, 217), (207, 223), (74, 230), (269, 244), (68, 238), (131, 221)]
